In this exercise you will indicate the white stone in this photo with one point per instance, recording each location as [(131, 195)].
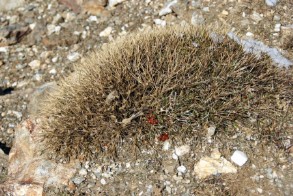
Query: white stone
[(57, 29), (87, 166), (35, 64), (32, 26), (112, 3), (239, 158), (224, 12), (13, 19), (160, 22), (53, 71), (206, 9), (181, 169), (3, 49), (83, 34), (256, 16), (211, 131), (73, 56), (82, 172), (213, 165), (166, 145), (55, 59), (93, 19), (249, 34), (182, 150), (17, 114), (174, 156), (57, 19), (147, 1), (277, 27), (128, 165), (259, 190), (168, 8), (51, 28), (271, 2), (106, 32), (103, 181), (78, 179)]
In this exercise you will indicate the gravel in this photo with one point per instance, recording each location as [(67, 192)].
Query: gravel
[(41, 40)]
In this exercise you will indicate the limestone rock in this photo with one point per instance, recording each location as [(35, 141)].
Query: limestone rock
[(213, 165), (182, 150)]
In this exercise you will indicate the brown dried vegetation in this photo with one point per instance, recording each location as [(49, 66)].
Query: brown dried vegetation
[(179, 76)]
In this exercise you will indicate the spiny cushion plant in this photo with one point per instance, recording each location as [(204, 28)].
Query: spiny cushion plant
[(165, 81)]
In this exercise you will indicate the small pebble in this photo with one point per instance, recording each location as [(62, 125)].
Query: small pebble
[(83, 172), (277, 27), (182, 150), (206, 9), (78, 180), (211, 131), (276, 18), (271, 2), (174, 156), (3, 49), (249, 34), (38, 77), (168, 189), (259, 190), (103, 181), (181, 169), (53, 71), (106, 32), (167, 9), (166, 145), (17, 114), (73, 56), (112, 3), (224, 12), (127, 165), (160, 22), (239, 158), (55, 59), (93, 19), (35, 64)]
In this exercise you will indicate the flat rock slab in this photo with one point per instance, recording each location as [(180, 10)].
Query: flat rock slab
[(29, 169)]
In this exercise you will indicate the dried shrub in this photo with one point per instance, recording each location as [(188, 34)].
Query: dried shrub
[(180, 78)]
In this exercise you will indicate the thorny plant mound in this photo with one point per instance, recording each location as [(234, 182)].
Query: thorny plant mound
[(157, 85)]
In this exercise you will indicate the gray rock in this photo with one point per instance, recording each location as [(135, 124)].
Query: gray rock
[(78, 180), (10, 4)]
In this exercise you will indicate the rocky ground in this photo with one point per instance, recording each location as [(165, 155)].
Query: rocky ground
[(41, 40)]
